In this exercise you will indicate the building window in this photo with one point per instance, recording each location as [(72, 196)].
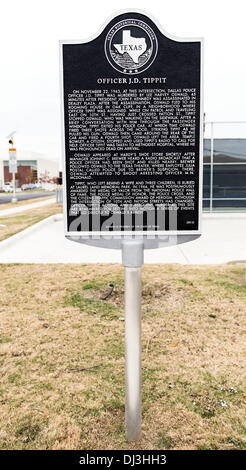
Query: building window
[(225, 167)]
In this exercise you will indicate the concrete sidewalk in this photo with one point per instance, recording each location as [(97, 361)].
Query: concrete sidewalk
[(25, 207), (223, 240)]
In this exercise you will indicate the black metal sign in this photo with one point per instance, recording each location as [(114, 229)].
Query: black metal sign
[(131, 100)]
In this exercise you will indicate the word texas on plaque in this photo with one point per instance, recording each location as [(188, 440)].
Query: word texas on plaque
[(131, 101)]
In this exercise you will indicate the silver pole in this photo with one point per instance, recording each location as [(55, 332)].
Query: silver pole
[(132, 259), (211, 166), (133, 352), (14, 199)]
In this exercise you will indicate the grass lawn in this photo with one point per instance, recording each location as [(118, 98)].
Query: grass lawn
[(11, 224), (25, 202), (62, 357)]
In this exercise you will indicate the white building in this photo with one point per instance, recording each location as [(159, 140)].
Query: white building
[(31, 167)]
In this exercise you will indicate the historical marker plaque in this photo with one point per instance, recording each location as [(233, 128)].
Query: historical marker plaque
[(131, 99)]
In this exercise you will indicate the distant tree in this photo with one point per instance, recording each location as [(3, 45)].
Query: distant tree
[(45, 177)]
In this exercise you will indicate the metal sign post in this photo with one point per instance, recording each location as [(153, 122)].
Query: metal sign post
[(132, 260), (13, 169), (132, 126), (14, 198)]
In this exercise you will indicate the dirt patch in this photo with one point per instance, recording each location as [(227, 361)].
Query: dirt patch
[(62, 357)]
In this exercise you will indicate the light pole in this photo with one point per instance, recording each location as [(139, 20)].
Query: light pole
[(12, 164)]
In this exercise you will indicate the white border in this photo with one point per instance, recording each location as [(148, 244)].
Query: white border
[(131, 233)]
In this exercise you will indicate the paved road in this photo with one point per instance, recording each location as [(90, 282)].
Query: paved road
[(24, 195)]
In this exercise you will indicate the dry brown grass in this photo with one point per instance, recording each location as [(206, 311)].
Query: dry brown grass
[(54, 325), (26, 202), (12, 224)]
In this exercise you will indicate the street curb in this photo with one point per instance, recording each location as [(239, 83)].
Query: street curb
[(18, 236), (25, 207)]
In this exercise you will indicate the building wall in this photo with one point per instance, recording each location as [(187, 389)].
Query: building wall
[(224, 167), (1, 174), (50, 166), (27, 159), (25, 174)]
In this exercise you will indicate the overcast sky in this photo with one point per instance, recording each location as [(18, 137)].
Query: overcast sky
[(29, 35)]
